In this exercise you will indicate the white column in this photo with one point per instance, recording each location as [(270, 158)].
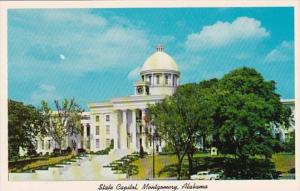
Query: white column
[(115, 129), (84, 136), (133, 130), (123, 132), (143, 128), (152, 79)]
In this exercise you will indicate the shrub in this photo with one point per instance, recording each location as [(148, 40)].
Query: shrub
[(81, 151), (167, 150), (56, 152), (66, 151)]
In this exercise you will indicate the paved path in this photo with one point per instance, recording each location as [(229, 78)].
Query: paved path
[(88, 168)]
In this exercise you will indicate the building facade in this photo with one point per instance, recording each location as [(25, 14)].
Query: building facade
[(124, 122)]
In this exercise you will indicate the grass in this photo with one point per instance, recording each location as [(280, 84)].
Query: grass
[(145, 166), (39, 164), (284, 161), (165, 164)]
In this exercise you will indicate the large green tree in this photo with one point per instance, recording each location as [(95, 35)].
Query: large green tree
[(63, 122), (169, 125), (185, 118), (24, 124), (248, 107)]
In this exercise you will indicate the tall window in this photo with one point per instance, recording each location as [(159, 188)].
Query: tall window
[(174, 80), (107, 129), (88, 129), (97, 143), (43, 144), (97, 130), (157, 79), (107, 118), (107, 143), (97, 118), (166, 79), (49, 144)]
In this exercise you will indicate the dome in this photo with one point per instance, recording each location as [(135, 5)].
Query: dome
[(160, 61)]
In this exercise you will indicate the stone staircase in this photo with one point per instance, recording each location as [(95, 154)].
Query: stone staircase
[(89, 167)]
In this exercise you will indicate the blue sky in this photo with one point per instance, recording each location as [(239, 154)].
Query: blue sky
[(95, 54)]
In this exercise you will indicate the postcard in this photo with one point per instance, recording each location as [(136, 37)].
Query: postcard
[(153, 96)]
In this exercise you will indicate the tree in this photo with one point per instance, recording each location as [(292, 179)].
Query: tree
[(183, 119), (62, 123), (169, 125), (24, 122), (247, 108)]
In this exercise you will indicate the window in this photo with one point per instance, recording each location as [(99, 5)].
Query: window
[(88, 129), (82, 130), (166, 79), (107, 118), (157, 79), (97, 118), (97, 130), (43, 145), (107, 143), (97, 143), (49, 144), (174, 80), (107, 129), (149, 79)]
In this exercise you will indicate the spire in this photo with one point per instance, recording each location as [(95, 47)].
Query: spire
[(160, 48)]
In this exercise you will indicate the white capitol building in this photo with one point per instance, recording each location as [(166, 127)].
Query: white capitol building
[(124, 120)]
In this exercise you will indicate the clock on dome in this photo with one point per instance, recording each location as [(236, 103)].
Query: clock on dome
[(140, 90)]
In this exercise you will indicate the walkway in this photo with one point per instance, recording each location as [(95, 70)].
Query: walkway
[(87, 168)]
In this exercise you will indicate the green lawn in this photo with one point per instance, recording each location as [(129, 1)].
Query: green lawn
[(37, 163), (284, 161), (165, 164), (145, 166)]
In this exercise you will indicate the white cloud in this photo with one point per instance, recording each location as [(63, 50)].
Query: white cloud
[(67, 16), (284, 52), (91, 42), (44, 92), (221, 33), (134, 74), (62, 57)]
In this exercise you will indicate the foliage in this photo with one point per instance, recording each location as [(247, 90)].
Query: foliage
[(24, 122), (63, 122), (81, 151), (247, 108), (183, 119), (167, 150), (238, 112)]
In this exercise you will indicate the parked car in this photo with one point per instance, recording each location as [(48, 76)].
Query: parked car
[(205, 175)]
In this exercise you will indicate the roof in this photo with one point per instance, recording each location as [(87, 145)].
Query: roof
[(160, 61)]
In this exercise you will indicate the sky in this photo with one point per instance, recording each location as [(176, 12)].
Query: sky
[(94, 55)]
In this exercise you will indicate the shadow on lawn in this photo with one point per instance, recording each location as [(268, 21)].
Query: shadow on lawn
[(232, 168)]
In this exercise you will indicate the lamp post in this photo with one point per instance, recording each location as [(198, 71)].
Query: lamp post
[(154, 140)]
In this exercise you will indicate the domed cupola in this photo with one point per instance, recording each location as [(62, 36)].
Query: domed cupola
[(160, 73)]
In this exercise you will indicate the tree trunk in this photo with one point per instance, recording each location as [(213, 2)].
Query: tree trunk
[(204, 142), (179, 167), (190, 159)]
